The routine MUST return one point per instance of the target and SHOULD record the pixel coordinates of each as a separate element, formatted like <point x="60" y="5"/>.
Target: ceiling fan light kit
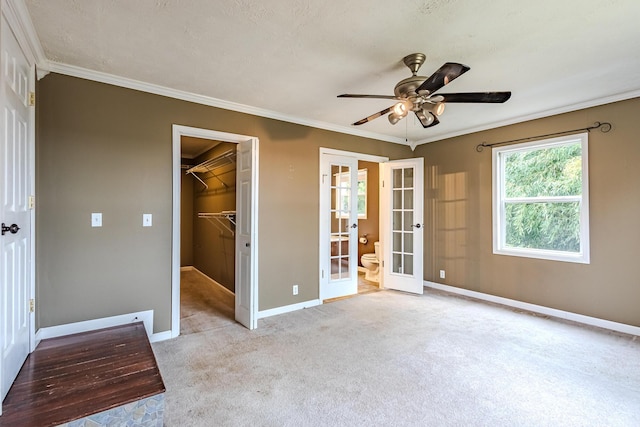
<point x="416" y="93"/>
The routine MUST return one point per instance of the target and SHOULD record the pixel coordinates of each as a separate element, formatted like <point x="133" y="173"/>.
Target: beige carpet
<point x="203" y="304"/>
<point x="393" y="359"/>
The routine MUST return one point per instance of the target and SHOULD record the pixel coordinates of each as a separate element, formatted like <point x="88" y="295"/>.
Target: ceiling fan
<point x="416" y="93"/>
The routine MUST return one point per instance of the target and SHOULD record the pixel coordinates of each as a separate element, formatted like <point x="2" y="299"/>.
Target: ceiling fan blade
<point x="350" y="95"/>
<point x="492" y="97"/>
<point x="373" y="116"/>
<point x="426" y="123"/>
<point x="445" y="75"/>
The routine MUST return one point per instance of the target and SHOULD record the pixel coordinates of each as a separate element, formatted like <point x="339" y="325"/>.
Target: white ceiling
<point x="291" y="58"/>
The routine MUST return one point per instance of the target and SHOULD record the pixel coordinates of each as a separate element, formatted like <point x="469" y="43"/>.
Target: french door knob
<point x="354" y="225"/>
<point x="417" y="226"/>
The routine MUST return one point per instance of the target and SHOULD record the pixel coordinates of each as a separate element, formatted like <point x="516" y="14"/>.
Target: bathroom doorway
<point x="368" y="208"/>
<point x="400" y="227"/>
<point x="223" y="179"/>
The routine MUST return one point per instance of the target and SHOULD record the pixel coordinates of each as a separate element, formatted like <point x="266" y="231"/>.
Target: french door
<point x="338" y="226"/>
<point x="403" y="224"/>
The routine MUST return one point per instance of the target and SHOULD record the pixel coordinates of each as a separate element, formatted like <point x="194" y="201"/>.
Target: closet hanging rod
<point x="216" y="218"/>
<point x="604" y="128"/>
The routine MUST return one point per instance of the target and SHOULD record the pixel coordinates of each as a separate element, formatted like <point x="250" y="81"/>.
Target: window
<point x="343" y="181"/>
<point x="541" y="199"/>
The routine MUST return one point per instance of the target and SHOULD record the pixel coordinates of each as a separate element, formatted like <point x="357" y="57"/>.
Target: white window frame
<point x="343" y="177"/>
<point x="499" y="197"/>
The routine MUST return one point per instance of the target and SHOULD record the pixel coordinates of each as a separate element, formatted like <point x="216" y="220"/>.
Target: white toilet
<point x="372" y="263"/>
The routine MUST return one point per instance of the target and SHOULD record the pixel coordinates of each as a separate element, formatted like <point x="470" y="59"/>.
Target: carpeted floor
<point x="203" y="305"/>
<point x="393" y="359"/>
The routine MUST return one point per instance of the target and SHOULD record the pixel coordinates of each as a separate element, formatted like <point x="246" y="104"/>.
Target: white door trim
<point x="360" y="156"/>
<point x="178" y="132"/>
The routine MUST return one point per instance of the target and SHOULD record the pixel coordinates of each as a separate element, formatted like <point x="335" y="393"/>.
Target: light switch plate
<point x="96" y="219"/>
<point x="147" y="220"/>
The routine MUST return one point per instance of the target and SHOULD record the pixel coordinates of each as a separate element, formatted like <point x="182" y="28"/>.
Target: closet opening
<point x="207" y="238"/>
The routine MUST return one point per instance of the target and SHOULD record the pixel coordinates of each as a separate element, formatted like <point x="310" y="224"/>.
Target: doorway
<point x="401" y="239"/>
<point x="240" y="224"/>
<point x="207" y="234"/>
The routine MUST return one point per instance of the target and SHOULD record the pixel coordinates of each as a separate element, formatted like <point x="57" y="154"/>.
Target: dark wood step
<point x="74" y="376"/>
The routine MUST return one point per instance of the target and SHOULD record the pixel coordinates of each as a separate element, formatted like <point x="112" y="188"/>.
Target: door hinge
<point x="32" y="202"/>
<point x="322" y="274"/>
<point x="32" y="305"/>
<point x="32" y="99"/>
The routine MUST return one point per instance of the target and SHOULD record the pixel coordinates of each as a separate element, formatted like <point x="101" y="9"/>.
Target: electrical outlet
<point x="147" y="220"/>
<point x="295" y="289"/>
<point x="442" y="274"/>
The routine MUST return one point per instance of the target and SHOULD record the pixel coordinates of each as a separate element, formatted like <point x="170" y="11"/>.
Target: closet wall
<point x="213" y="245"/>
<point x="186" y="216"/>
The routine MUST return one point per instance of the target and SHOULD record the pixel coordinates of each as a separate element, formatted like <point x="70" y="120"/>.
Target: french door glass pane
<point x="408" y="243"/>
<point x="408" y="178"/>
<point x="402" y="221"/>
<point x="408" y="221"/>
<point x="408" y="264"/>
<point x="408" y="199"/>
<point x="339" y="214"/>
<point x="397" y="242"/>
<point x="397" y="178"/>
<point x="397" y="199"/>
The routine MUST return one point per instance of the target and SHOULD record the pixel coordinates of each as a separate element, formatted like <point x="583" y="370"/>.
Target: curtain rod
<point x="604" y="128"/>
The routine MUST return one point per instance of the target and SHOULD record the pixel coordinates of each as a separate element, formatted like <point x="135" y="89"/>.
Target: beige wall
<point x="458" y="234"/>
<point x="101" y="148"/>
<point x="186" y="217"/>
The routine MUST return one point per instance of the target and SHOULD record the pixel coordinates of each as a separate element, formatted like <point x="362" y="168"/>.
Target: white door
<point x="14" y="210"/>
<point x="403" y="225"/>
<point x="338" y="226"/>
<point x="246" y="237"/>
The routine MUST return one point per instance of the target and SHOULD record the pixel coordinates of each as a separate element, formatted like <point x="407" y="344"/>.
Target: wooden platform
<point x="75" y="376"/>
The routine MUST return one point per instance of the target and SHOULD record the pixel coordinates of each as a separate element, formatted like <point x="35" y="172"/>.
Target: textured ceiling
<point x="293" y="57"/>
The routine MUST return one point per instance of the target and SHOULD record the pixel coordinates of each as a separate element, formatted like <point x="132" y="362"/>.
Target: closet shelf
<point x="218" y="219"/>
<point x="209" y="166"/>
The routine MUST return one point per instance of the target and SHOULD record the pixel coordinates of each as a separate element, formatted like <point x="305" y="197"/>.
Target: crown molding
<point x="623" y="96"/>
<point x="98" y="76"/>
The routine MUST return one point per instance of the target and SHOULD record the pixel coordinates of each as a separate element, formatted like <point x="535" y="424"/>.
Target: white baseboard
<point x="160" y="336"/>
<point x="574" y="317"/>
<point x="288" y="308"/>
<point x="215" y="283"/>
<point x="91" y="325"/>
